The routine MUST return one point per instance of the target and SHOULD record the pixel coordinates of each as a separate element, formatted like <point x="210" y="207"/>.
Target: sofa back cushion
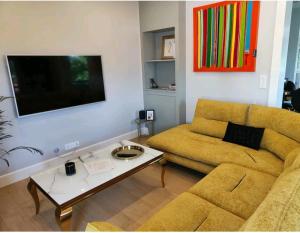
<point x="277" y="143"/>
<point x="211" y="116"/>
<point x="280" y="120"/>
<point x="282" y="133"/>
<point x="292" y="160"/>
<point x="280" y="209"/>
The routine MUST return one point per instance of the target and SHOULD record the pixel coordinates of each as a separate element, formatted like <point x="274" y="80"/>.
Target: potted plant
<point x="3" y="136"/>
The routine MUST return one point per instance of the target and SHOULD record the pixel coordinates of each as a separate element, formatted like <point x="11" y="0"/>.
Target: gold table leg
<point x="31" y="187"/>
<point x="64" y="218"/>
<point x="162" y="177"/>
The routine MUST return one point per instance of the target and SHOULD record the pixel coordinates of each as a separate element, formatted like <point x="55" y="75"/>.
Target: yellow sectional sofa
<point x="245" y="189"/>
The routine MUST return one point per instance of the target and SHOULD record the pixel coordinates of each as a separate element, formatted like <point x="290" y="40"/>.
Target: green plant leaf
<point x="28" y="148"/>
<point x="2" y="98"/>
<point x="5" y="123"/>
<point x="3" y="136"/>
<point x="5" y="160"/>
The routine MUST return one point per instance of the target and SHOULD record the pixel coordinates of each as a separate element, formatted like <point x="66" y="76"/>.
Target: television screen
<point x="46" y="83"/>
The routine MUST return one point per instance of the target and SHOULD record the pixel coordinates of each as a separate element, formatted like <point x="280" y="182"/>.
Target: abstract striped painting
<point x="225" y="36"/>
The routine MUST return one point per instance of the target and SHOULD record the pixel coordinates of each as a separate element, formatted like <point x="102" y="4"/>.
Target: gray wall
<point x="107" y="28"/>
<point x="230" y="86"/>
<point x="181" y="61"/>
<point x="293" y="43"/>
<point x="156" y="15"/>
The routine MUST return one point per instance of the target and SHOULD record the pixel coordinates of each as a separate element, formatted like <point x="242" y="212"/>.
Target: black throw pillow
<point x="244" y="135"/>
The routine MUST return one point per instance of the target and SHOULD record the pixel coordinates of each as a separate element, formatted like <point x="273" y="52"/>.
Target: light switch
<point x="263" y="81"/>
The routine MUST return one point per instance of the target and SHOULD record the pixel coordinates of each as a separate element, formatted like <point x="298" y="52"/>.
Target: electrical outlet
<point x="72" y="145"/>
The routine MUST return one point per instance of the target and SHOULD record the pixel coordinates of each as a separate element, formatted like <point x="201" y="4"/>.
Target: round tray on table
<point x="127" y="152"/>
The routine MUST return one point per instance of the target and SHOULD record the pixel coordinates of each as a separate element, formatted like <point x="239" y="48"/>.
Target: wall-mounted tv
<point x="47" y="83"/>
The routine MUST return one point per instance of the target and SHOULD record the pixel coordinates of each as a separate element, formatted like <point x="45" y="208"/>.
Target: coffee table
<point x="66" y="191"/>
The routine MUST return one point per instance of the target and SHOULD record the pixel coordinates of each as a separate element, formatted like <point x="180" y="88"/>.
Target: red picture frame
<point x="246" y="59"/>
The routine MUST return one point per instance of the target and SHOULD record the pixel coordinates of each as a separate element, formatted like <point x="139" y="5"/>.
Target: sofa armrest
<point x="101" y="226"/>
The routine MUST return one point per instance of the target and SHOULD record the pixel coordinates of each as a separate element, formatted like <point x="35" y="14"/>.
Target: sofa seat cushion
<point x="188" y="212"/>
<point x="213" y="151"/>
<point x="195" y="165"/>
<point x="280" y="211"/>
<point x="234" y="188"/>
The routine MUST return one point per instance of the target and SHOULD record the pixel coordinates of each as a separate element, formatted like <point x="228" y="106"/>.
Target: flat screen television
<point x="47" y="83"/>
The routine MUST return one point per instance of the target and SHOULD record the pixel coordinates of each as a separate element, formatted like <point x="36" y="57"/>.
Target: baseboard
<point x="24" y="173"/>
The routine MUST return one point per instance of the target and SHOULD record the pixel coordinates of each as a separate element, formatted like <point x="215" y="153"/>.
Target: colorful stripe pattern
<point x="224" y="35"/>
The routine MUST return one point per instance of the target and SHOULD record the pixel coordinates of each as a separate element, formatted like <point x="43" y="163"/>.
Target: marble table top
<point x="62" y="188"/>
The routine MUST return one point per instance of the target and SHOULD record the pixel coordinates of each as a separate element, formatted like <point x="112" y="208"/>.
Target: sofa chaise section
<point x="280" y="209"/>
<point x="234" y="188"/>
<point x="188" y="212"/>
<point x="181" y="141"/>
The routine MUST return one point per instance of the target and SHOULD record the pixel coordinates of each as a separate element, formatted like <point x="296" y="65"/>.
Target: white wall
<point x="231" y="86"/>
<point x="107" y="28"/>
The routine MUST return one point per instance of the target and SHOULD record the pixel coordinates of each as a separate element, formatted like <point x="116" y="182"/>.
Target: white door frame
<point x="279" y="54"/>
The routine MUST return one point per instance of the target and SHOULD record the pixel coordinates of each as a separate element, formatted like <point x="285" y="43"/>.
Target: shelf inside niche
<point x="160" y="30"/>
<point x="161" y="60"/>
<point x="159" y="91"/>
